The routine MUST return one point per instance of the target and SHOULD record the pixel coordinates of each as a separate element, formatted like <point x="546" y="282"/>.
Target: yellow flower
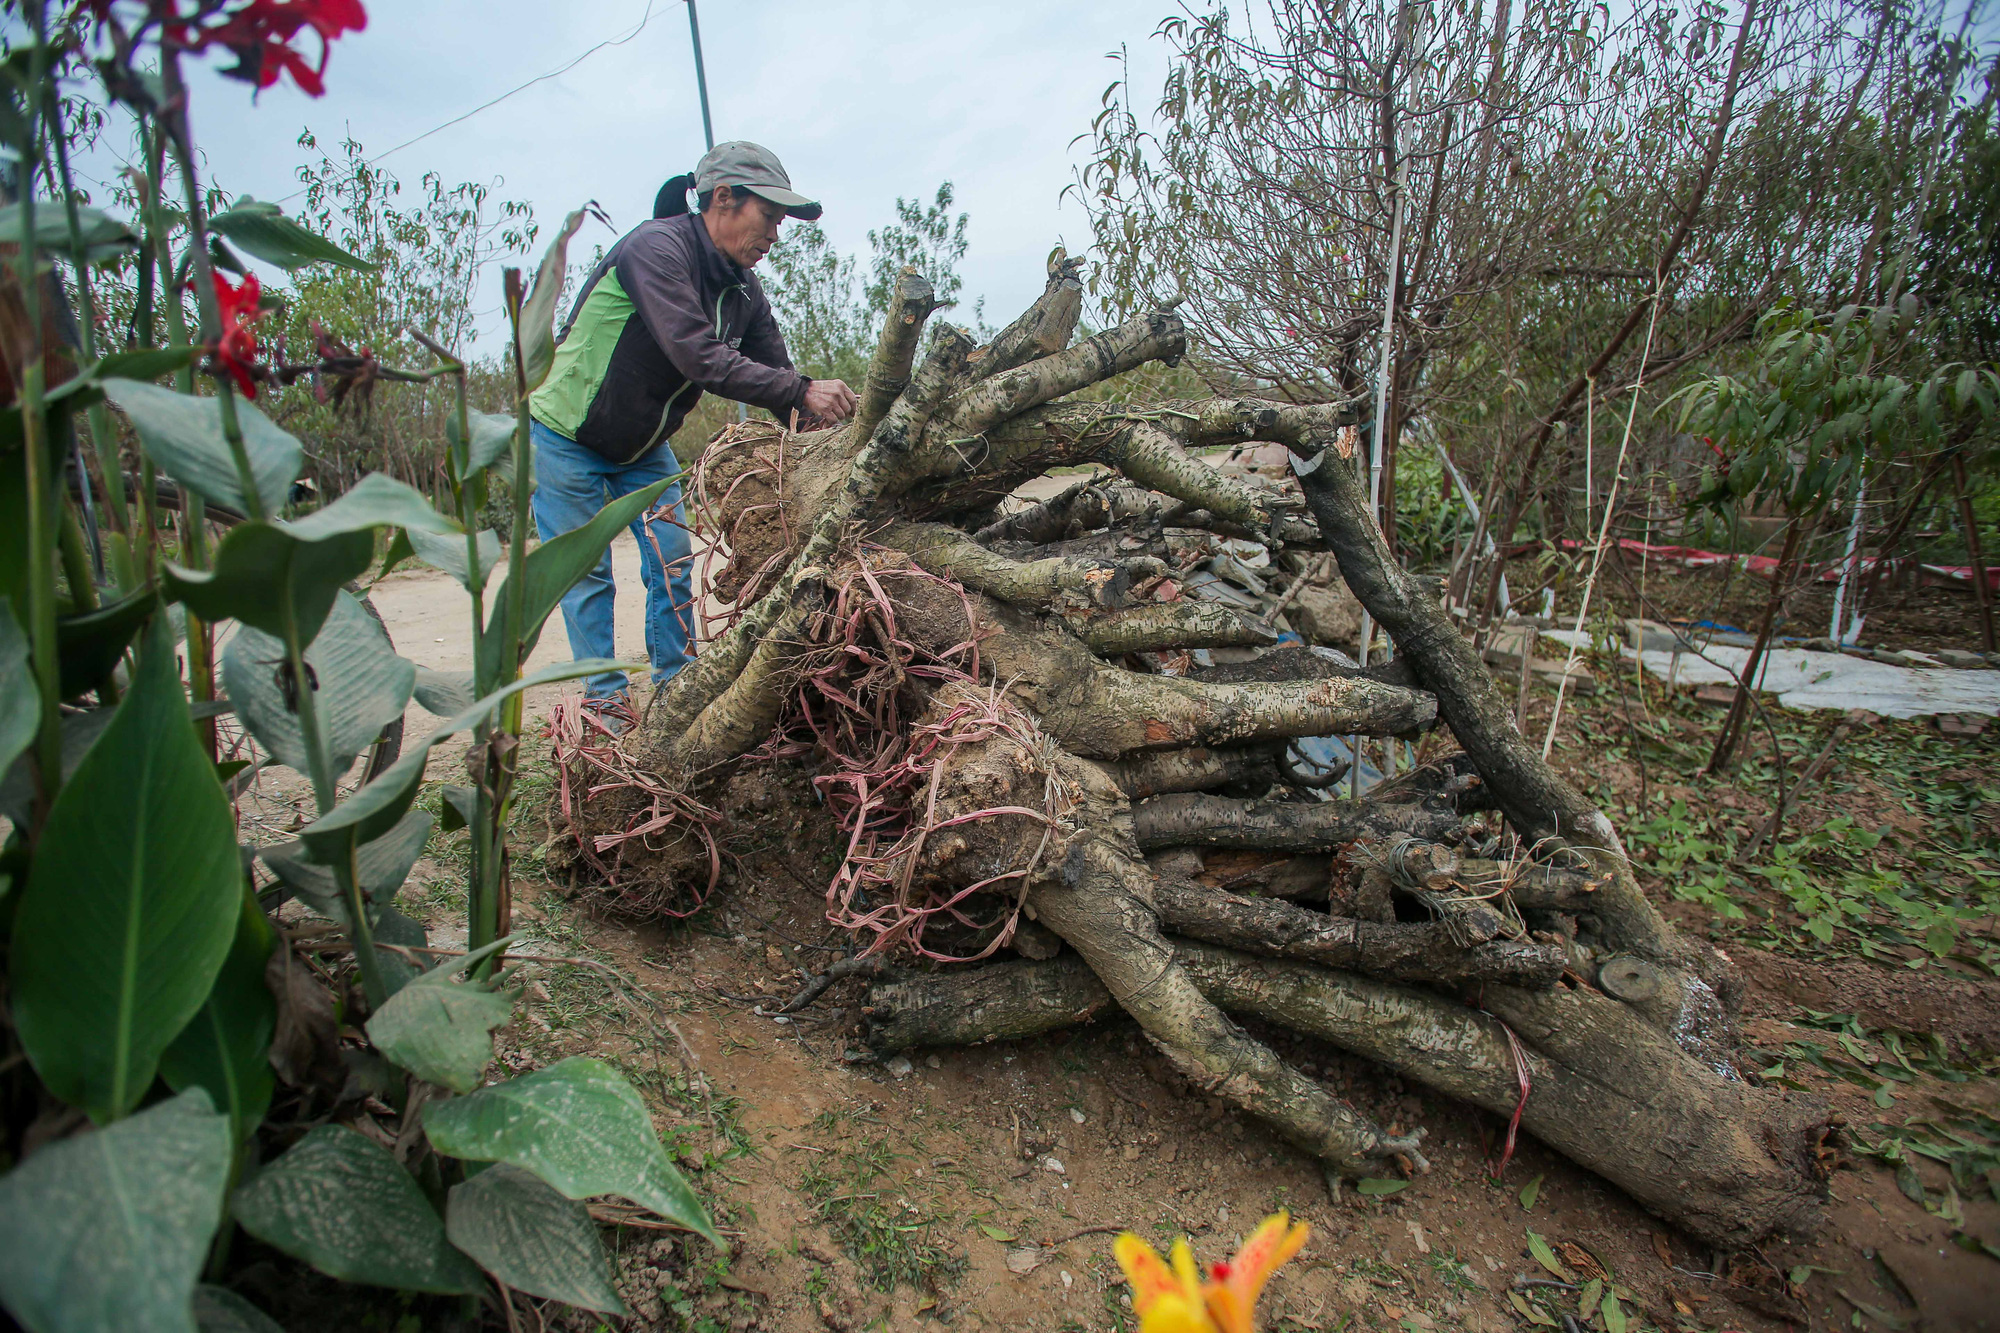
<point x="1173" y="1297"/>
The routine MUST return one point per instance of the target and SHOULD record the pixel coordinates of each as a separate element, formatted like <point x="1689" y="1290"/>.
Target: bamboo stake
<point x="1603" y="530"/>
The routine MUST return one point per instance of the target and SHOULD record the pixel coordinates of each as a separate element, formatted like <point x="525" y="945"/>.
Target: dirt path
<point x="427" y="615"/>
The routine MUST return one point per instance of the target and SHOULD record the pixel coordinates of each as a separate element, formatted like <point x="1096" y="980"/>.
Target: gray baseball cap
<point x="753" y="167"/>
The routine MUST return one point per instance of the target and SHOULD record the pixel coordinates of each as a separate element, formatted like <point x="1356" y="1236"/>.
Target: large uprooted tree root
<point x="999" y="711"/>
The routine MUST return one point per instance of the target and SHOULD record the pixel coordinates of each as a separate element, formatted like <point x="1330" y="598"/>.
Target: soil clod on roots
<point x="1002" y="718"/>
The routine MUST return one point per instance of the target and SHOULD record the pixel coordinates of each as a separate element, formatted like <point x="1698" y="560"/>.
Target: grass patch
<point x="893" y="1228"/>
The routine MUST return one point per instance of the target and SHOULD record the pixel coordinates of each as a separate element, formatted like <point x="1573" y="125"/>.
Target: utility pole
<point x="707" y="125"/>
<point x="700" y="78"/>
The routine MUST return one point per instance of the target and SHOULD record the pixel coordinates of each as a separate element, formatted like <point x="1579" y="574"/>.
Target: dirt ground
<point x="861" y="1195"/>
<point x="980" y="1188"/>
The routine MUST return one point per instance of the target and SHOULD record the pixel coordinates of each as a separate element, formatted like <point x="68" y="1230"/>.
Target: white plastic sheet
<point x="1807" y="680"/>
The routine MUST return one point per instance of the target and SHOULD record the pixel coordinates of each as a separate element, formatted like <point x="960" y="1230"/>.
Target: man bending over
<point x="672" y="312"/>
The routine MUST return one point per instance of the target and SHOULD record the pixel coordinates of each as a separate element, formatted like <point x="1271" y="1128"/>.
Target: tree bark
<point x="1535" y="799"/>
<point x="1728" y="1163"/>
<point x="1194" y="769"/>
<point x="1004" y="664"/>
<point x="1426" y="952"/>
<point x="1101" y="711"/>
<point x="1284" y="826"/>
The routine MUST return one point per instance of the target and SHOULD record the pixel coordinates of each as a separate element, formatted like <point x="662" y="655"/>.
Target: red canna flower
<point x="237" y="350"/>
<point x="260" y="34"/>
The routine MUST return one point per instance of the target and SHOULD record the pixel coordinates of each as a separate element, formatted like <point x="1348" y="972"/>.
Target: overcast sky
<point x="863" y="100"/>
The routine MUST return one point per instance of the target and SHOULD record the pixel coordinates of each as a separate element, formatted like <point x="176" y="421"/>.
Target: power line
<point x="644" y="19"/>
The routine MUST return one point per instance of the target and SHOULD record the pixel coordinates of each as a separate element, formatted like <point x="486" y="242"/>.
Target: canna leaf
<point x="106" y="1230"/>
<point x="90" y="646"/>
<point x="183" y="436"/>
<point x="528" y="1236"/>
<point x="376" y="808"/>
<point x="220" y="1310"/>
<point x="440" y="1028"/>
<point x="448" y="554"/>
<point x="341" y="1203"/>
<point x="131" y="903"/>
<point x="492" y="437"/>
<point x="268" y="573"/>
<point x="265" y="577"/>
<point x="105" y="238"/>
<point x="20" y="700"/>
<point x="359" y="686"/>
<point x="381" y="866"/>
<point x="553" y="568"/>
<point x="538" y="312"/>
<point x="263" y="232"/>
<point x="226" y="1049"/>
<point x="444" y="692"/>
<point x="579" y="1126"/>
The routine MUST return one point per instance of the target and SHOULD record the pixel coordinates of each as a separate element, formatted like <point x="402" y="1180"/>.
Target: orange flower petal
<point x="1146" y="1271"/>
<point x="1226" y="1306"/>
<point x="1268" y="1249"/>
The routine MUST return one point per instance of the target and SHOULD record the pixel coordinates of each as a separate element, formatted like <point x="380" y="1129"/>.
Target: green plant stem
<point x="483" y="906"/>
<point x="194" y="509"/>
<point x="103" y="439"/>
<point x="180" y="141"/>
<point x="320" y="766"/>
<point x="42" y="541"/>
<point x="42" y="535"/>
<point x="502" y="769"/>
<point x="468" y="517"/>
<point x="76" y="561"/>
<point x="348" y="875"/>
<point x="200" y="635"/>
<point x="517" y="546"/>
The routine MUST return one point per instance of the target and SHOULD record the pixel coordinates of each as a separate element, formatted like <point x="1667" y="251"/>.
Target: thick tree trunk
<point x="1535" y="798"/>
<point x="1088" y="883"/>
<point x="1194" y="769"/>
<point x="1729" y="1163"/>
<point x="1430" y="952"/>
<point x="1284" y="826"/>
<point x="1104" y="712"/>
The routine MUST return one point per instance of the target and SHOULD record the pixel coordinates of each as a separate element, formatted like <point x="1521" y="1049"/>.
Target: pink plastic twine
<point x="1521" y="1075"/>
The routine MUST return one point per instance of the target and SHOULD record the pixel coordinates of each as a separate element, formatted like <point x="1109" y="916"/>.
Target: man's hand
<point x="830" y="400"/>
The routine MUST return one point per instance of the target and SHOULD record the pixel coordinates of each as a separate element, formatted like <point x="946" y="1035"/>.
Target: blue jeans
<point x="571" y="485"/>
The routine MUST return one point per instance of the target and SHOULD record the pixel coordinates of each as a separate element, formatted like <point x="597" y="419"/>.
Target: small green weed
<point x="1451" y="1272"/>
<point x="1836" y="885"/>
<point x="893" y="1228"/>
